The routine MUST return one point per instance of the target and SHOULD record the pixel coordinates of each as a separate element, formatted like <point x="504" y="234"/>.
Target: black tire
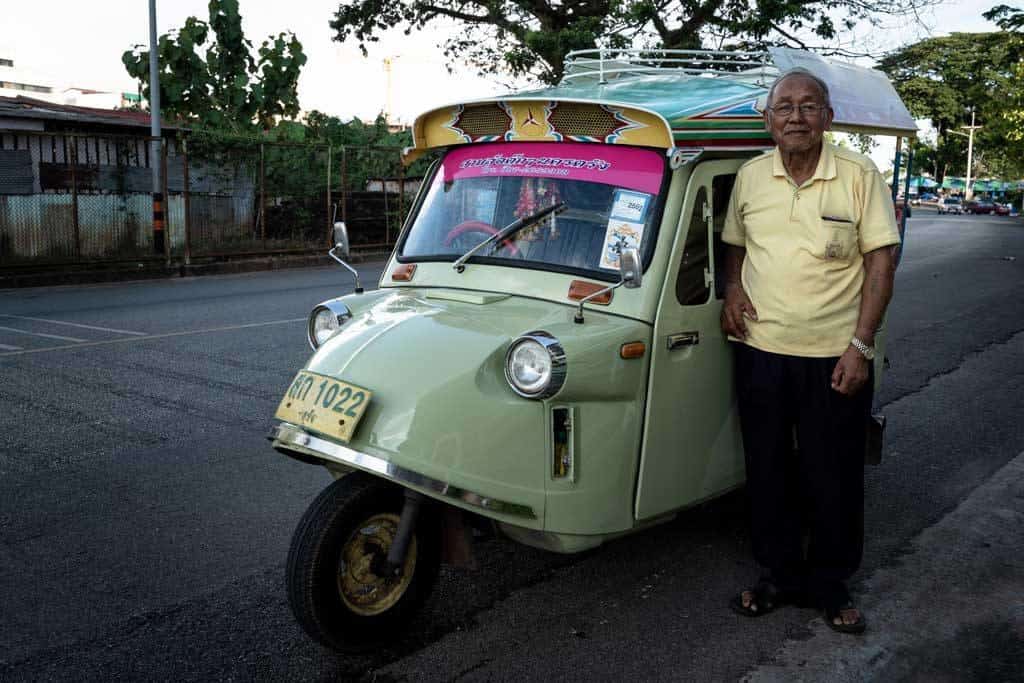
<point x="317" y="575"/>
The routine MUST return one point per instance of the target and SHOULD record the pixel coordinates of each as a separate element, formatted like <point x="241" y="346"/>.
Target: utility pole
<point x="968" y="193"/>
<point x="156" y="142"/>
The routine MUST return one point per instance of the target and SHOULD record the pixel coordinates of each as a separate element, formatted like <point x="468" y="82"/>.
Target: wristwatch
<point x="865" y="350"/>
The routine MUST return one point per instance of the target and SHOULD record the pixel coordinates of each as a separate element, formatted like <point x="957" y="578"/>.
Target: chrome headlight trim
<point x="338" y="310"/>
<point x="559" y="367"/>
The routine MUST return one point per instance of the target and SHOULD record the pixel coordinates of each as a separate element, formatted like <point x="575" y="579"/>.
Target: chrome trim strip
<point x="288" y="437"/>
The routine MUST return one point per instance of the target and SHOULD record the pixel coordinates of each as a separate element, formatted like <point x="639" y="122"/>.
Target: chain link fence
<point x="81" y="198"/>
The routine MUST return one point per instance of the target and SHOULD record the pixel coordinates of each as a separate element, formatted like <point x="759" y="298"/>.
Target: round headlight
<point x="325" y="320"/>
<point x="535" y="365"/>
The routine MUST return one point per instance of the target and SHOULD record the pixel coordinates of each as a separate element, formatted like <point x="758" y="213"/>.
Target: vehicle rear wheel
<point x="337" y="587"/>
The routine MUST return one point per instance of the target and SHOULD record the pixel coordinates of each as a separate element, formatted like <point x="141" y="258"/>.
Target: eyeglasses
<point x="808" y="110"/>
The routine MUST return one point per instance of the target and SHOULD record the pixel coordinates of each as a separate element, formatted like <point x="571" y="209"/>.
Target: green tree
<point x="372" y="149"/>
<point x="210" y="76"/>
<point x="527" y="37"/>
<point x="945" y="79"/>
<point x="1006" y="17"/>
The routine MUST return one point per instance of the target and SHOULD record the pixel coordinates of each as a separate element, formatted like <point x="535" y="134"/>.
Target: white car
<point x="951" y="205"/>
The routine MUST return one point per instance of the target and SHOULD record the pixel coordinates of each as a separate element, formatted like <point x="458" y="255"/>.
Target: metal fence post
<point x="329" y="218"/>
<point x="401" y="192"/>
<point x="263" y="201"/>
<point x="186" y="201"/>
<point x="344" y="185"/>
<point x="387" y="218"/>
<point x="74" y="196"/>
<point x="167" y="201"/>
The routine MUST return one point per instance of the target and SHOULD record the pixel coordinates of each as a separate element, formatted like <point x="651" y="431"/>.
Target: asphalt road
<point x="144" y="519"/>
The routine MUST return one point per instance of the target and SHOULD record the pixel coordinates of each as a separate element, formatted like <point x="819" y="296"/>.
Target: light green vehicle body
<point x="649" y="436"/>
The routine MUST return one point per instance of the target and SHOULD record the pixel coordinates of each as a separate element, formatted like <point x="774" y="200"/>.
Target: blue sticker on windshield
<point x="629" y="206"/>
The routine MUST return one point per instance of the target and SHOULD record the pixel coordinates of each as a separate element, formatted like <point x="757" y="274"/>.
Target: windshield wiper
<point x="515" y="226"/>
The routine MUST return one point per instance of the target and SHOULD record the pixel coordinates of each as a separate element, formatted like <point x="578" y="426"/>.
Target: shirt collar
<point x="826" y="169"/>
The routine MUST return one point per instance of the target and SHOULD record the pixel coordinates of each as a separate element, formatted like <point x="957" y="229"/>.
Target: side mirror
<point x="341" y="239"/>
<point x="340" y="252"/>
<point x="630" y="268"/>
<point x="630" y="277"/>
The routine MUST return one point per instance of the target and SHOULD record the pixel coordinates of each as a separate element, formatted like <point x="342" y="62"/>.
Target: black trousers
<point x="807" y="503"/>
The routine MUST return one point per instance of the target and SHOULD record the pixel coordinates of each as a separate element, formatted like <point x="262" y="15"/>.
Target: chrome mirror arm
<point x="359" y="286"/>
<point x="630" y="275"/>
<point x="578" y="318"/>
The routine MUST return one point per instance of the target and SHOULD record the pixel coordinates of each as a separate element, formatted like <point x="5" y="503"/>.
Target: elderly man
<point x="809" y="271"/>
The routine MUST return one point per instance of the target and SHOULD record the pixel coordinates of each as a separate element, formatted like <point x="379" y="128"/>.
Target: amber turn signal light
<point x="633" y="350"/>
<point x="403" y="273"/>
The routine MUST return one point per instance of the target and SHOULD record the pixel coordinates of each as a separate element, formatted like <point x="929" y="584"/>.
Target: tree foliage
<point x="1006" y="17"/>
<point x="531" y="37"/>
<point x="210" y="76"/>
<point x="945" y="79"/>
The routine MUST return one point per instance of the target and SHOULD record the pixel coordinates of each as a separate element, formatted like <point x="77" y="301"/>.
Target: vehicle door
<point x="692" y="447"/>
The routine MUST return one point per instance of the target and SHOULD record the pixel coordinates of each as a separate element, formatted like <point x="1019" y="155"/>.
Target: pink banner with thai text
<point x="628" y="167"/>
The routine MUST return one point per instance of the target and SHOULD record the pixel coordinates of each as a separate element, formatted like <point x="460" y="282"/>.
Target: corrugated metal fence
<point x="81" y="198"/>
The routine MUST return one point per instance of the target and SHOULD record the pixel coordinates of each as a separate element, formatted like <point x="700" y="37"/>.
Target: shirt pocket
<point x="837" y="239"/>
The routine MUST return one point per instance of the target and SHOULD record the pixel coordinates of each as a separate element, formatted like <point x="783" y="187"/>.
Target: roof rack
<point x="604" y="64"/>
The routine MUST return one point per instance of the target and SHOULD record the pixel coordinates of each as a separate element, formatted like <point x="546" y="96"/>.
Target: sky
<point x="79" y="44"/>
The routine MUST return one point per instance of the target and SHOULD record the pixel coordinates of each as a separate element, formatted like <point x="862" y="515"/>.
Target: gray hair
<point x="800" y="71"/>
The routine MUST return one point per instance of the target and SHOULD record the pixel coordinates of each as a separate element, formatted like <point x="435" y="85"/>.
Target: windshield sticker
<point x="629" y="206"/>
<point x="632" y="168"/>
<point x="620" y="235"/>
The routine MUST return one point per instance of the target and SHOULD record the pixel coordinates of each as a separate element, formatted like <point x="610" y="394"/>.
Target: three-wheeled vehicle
<point x="543" y="353"/>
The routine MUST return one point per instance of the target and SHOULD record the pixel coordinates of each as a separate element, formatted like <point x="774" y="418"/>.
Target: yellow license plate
<point x="324" y="404"/>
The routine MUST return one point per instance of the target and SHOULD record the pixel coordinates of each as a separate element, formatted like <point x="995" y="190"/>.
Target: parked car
<point x="923" y="197"/>
<point x="951" y="205"/>
<point x="979" y="206"/>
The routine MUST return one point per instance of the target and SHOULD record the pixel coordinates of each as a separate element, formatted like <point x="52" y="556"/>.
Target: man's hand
<point x="851" y="372"/>
<point x="737" y="304"/>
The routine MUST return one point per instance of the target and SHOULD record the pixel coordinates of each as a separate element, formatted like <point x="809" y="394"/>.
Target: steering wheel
<point x="478" y="227"/>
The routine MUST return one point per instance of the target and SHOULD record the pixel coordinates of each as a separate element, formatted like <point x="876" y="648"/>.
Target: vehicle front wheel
<point x="338" y="586"/>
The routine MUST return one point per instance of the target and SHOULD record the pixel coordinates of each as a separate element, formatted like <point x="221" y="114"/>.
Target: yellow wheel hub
<point x="366" y="549"/>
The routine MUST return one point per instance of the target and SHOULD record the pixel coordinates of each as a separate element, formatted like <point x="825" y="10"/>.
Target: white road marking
<point x="165" y="335"/>
<point x="41" y="334"/>
<point x="63" y="322"/>
<point x="8" y="347"/>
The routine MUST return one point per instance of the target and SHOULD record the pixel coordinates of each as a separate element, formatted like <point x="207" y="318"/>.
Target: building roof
<point x="30" y="108"/>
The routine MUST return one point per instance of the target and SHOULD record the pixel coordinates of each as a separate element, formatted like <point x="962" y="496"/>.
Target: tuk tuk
<point x="543" y="355"/>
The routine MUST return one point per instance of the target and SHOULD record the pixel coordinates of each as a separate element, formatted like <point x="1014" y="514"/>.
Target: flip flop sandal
<point x="833" y="613"/>
<point x="765" y="597"/>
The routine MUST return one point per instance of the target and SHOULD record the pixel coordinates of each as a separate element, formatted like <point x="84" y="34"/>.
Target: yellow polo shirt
<point x="804" y="267"/>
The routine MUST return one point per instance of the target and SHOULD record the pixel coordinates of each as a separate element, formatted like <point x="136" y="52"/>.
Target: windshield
<point x="609" y="196"/>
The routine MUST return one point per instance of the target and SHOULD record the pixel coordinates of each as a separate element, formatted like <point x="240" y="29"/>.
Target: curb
<point x="961" y="582"/>
<point x="128" y="272"/>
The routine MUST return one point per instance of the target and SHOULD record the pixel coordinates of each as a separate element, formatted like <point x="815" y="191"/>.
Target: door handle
<point x="681" y="339"/>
